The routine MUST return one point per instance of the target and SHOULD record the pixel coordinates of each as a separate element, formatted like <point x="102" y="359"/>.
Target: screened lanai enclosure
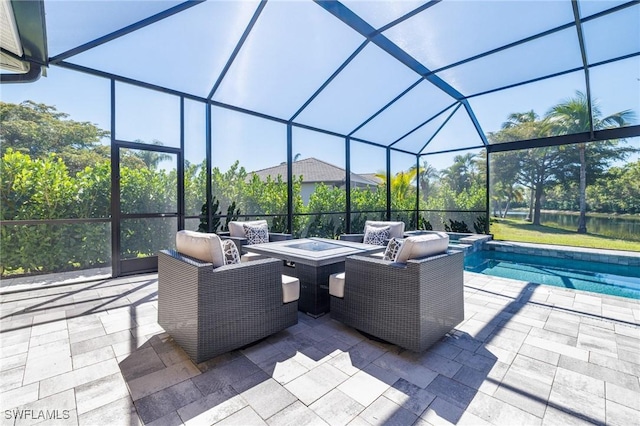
<point x="125" y="121"/>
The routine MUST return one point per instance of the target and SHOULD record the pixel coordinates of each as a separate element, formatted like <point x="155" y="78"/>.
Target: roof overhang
<point x="23" y="42"/>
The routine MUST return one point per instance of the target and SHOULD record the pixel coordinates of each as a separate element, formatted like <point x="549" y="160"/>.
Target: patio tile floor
<point x="92" y="353"/>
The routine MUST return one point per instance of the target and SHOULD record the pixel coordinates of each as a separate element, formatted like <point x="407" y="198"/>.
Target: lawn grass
<point x="519" y="230"/>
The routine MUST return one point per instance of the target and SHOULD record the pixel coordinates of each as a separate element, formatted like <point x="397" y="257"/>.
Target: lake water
<point x="622" y="228"/>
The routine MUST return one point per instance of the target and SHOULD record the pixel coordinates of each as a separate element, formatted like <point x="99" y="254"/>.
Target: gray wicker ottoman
<point x="412" y="305"/>
<point x="211" y="311"/>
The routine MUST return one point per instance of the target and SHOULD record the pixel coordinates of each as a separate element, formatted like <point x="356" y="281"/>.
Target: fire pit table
<point x="312" y="260"/>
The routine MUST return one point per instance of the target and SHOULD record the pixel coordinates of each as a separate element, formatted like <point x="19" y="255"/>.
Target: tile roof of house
<point x="373" y="177"/>
<point x="314" y="170"/>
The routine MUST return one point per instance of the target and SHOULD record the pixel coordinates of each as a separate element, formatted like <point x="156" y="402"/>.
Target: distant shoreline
<point x="635" y="216"/>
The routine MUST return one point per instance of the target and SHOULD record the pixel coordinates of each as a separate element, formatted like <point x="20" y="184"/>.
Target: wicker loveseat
<point x="209" y="311"/>
<point x="411" y="305"/>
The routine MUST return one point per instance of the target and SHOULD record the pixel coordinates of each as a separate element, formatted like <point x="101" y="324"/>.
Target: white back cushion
<point x="396" y="229"/>
<point x="236" y="228"/>
<point x="206" y="247"/>
<point x="423" y="246"/>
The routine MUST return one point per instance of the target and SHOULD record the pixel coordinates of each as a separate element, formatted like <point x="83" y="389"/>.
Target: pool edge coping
<point x="617" y="257"/>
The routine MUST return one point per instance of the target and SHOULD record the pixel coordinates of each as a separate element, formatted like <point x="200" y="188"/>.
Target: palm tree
<point x="151" y="158"/>
<point x="427" y="176"/>
<point x="461" y="173"/>
<point x="515" y="119"/>
<point x="572" y="116"/>
<point x="401" y="188"/>
<point x="532" y="168"/>
<point x="512" y="193"/>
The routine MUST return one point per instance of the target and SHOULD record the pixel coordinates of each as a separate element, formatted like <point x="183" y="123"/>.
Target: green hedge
<point x="44" y="188"/>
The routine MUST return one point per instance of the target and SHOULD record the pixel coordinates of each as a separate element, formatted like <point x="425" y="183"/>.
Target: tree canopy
<point x="570" y="166"/>
<point x="39" y="130"/>
<point x="53" y="167"/>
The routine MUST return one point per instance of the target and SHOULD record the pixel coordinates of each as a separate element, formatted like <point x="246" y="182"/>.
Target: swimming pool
<point x="604" y="278"/>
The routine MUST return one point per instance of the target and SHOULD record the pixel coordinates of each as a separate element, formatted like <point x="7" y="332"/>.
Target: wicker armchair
<point x="411" y="305"/>
<point x="211" y="311"/>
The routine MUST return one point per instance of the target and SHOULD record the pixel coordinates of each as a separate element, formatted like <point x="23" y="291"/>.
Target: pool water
<point x="604" y="278"/>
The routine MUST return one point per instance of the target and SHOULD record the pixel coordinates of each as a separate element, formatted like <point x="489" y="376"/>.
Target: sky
<point x="296" y="46"/>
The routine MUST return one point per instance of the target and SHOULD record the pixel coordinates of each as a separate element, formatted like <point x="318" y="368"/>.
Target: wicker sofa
<point x="209" y="311"/>
<point x="411" y="305"/>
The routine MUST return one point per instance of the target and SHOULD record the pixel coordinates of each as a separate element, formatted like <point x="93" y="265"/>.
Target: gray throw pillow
<point x="376" y="235"/>
<point x="392" y="250"/>
<point x="257" y="234"/>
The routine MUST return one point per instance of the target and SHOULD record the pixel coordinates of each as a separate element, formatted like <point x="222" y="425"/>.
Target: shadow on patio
<point x="96" y="350"/>
<point x="320" y="370"/>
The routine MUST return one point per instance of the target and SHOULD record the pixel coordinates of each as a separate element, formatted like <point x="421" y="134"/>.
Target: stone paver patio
<point x="92" y="353"/>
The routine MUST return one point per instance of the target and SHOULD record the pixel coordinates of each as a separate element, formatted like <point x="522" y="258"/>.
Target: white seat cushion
<point x="336" y="285"/>
<point x="290" y="289"/>
<point x="423" y="246"/>
<point x="396" y="229"/>
<point x="202" y="246"/>
<point x="236" y="228"/>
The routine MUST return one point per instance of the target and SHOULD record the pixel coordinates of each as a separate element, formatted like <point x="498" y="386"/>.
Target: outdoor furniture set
<point x="406" y="291"/>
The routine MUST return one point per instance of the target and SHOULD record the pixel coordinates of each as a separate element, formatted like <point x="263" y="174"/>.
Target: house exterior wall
<point x="306" y="189"/>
